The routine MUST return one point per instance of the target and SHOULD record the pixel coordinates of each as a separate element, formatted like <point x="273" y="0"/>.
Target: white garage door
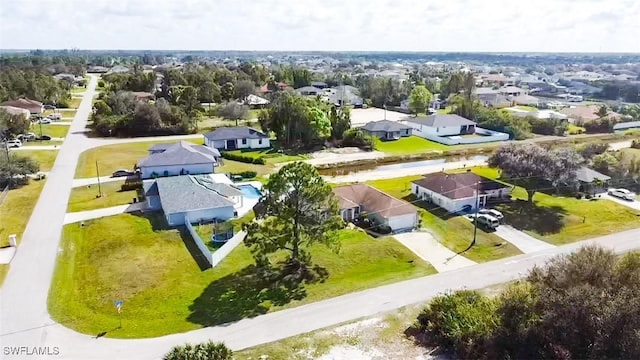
<point x="402" y="222"/>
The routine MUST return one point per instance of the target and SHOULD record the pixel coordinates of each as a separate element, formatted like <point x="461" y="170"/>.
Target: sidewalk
<point x="74" y="217"/>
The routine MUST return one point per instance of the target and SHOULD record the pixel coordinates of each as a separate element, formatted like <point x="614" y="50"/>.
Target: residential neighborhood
<point x="160" y="204"/>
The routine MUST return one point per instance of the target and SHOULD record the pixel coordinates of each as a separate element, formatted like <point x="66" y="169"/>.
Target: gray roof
<point x="441" y="120"/>
<point x="232" y="133"/>
<point x="587" y="175"/>
<point x="222" y="189"/>
<point x="485" y="90"/>
<point x="150" y="187"/>
<point x="183" y="193"/>
<point x="626" y="125"/>
<point x="180" y="153"/>
<point x="309" y="89"/>
<point x="385" y="125"/>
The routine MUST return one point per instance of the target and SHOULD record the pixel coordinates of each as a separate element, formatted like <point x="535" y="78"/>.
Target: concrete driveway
<point x="429" y="249"/>
<point x="527" y="244"/>
<point x="630" y="204"/>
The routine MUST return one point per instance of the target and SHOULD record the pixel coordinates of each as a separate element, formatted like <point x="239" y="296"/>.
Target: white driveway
<point x="73" y="217"/>
<point x="37" y="147"/>
<point x="94" y="180"/>
<point x="630" y="204"/>
<point x="526" y="244"/>
<point x="428" y="249"/>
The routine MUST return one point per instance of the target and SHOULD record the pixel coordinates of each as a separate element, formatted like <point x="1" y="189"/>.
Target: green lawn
<point x="3" y="272"/>
<point x="574" y="129"/>
<point x="112" y="157"/>
<point x="209" y="124"/>
<point x="16" y="209"/>
<point x="137" y="260"/>
<point x="526" y="108"/>
<point x="78" y="90"/>
<point x="560" y="220"/>
<point x="58" y="131"/>
<point x="409" y="145"/>
<point x="84" y="198"/>
<point x="42" y="143"/>
<point x="45" y="158"/>
<point x="446" y="110"/>
<point x="230" y="166"/>
<point x="455" y="232"/>
<point x="271" y="155"/>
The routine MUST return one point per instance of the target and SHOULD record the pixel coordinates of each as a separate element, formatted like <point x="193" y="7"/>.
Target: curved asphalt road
<point x="24" y="320"/>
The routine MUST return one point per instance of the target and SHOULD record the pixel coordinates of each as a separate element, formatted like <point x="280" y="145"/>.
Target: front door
<point x="231" y="144"/>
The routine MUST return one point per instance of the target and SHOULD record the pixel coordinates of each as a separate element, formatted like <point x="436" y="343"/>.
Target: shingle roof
<point x="182" y="193"/>
<point x="180" y="153"/>
<point x="457" y="186"/>
<point x="441" y="120"/>
<point x="309" y="89"/>
<point x="22" y="103"/>
<point x="232" y="133"/>
<point x="587" y="175"/>
<point x="485" y="90"/>
<point x="221" y="188"/>
<point x="150" y="187"/>
<point x="15" y="110"/>
<point x="385" y="125"/>
<point x="372" y="200"/>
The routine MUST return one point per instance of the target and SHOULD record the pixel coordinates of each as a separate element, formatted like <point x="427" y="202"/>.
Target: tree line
<point x="36" y="84"/>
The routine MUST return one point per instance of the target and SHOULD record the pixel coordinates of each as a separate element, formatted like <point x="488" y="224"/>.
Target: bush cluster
<point x="245" y="174"/>
<point x="243" y="158"/>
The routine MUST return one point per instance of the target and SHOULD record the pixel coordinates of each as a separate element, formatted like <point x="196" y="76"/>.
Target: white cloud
<point x="411" y="25"/>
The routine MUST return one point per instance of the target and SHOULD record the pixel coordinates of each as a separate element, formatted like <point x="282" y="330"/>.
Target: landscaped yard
<point x="138" y="260"/>
<point x="58" y="131"/>
<point x="526" y="108"/>
<point x="16" y="210"/>
<point x="45" y="158"/>
<point x="209" y="124"/>
<point x="456" y="233"/>
<point x="113" y="157"/>
<point x="42" y="143"/>
<point x="409" y="145"/>
<point x="560" y="219"/>
<point x="271" y="155"/>
<point x="230" y="166"/>
<point x="575" y="130"/>
<point x="84" y="198"/>
<point x="78" y="90"/>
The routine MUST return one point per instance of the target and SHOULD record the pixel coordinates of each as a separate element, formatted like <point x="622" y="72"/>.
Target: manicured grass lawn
<point x="51" y="130"/>
<point x="230" y="166"/>
<point x="409" y="145"/>
<point x="112" y="157"/>
<point x="139" y="261"/>
<point x="78" y="90"/>
<point x="74" y="103"/>
<point x="208" y="124"/>
<point x="42" y="143"/>
<point x="526" y="108"/>
<point x="559" y="219"/>
<point x="446" y="110"/>
<point x="16" y="210"/>
<point x="270" y="155"/>
<point x="456" y="233"/>
<point x="84" y="198"/>
<point x="45" y="158"/>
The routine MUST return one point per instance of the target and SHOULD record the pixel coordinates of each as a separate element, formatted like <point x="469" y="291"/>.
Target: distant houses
<point x="452" y="129"/>
<point x="33" y="106"/>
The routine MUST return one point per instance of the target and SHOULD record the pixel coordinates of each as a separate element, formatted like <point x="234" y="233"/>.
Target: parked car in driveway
<point x="44" y="137"/>
<point x="493" y="212"/>
<point x="622" y="194"/>
<point x="121" y="172"/>
<point x="49" y="107"/>
<point x="27" y="137"/>
<point x="43" y="121"/>
<point x="15" y="143"/>
<point x="487" y="221"/>
<point x="54" y="117"/>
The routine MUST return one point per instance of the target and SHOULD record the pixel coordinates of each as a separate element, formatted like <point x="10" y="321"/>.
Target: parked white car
<point x="54" y="117"/>
<point x="15" y="143"/>
<point x="487" y="221"/>
<point x="492" y="212"/>
<point x="44" y="121"/>
<point x="622" y="194"/>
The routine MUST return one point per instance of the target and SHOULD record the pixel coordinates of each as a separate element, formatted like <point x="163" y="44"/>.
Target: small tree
<point x="419" y="99"/>
<point x="204" y="351"/>
<point x="299" y="211"/>
<point x="232" y="110"/>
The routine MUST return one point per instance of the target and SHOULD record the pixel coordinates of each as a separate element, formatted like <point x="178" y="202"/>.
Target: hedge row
<point x="245" y="174"/>
<point x="244" y="158"/>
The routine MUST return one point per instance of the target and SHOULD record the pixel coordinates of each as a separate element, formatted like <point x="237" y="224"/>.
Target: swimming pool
<point x="250" y="191"/>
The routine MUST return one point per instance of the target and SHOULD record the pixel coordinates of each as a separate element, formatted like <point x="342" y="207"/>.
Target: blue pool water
<point x="250" y="192"/>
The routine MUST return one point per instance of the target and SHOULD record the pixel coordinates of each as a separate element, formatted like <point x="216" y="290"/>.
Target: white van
<point x="487" y="221"/>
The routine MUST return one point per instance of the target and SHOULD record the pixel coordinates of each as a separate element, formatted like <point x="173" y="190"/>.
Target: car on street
<point x="43" y="121"/>
<point x="54" y="117"/>
<point x="121" y="172"/>
<point x="15" y="143"/>
<point x="622" y="194"/>
<point x="493" y="212"/>
<point x="49" y="107"/>
<point x="44" y="137"/>
<point x="27" y="137"/>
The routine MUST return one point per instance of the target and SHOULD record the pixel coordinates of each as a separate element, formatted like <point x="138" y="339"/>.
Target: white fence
<point x="487" y="136"/>
<point x="214" y="258"/>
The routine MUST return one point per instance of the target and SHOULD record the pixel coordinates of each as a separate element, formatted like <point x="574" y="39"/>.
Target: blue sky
<point x="383" y="25"/>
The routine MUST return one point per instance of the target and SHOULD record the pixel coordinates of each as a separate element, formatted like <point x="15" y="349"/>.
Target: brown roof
<point x="457" y="186"/>
<point x="371" y="200"/>
<point x="585" y="112"/>
<point x="142" y="95"/>
<point x="15" y="110"/>
<point x="23" y="104"/>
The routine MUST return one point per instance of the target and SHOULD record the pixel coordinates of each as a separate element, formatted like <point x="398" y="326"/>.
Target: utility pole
<point x="475" y="218"/>
<point x="98" y="174"/>
<point x="6" y="148"/>
<point x="40" y="122"/>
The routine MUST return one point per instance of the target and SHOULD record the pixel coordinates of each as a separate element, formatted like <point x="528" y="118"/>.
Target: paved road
<point x="630" y="204"/>
<point x="526" y="243"/>
<point x="286" y="323"/>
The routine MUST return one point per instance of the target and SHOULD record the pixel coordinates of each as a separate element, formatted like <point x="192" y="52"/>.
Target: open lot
<point x="85" y="197"/>
<point x="559" y="219"/>
<point x="45" y="158"/>
<point x="409" y="145"/>
<point x="137" y="259"/>
<point x="56" y="131"/>
<point x="272" y="156"/>
<point x="456" y="233"/>
<point x="209" y="124"/>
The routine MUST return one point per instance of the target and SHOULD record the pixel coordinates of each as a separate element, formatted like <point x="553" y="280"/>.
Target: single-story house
<point x="16" y="111"/>
<point x="97" y="69"/>
<point x="239" y="137"/>
<point x="34" y="107"/>
<point x="181" y="158"/>
<point x="309" y="91"/>
<point x="255" y="101"/>
<point x="382" y="208"/>
<point x="457" y="192"/>
<point x="441" y="125"/>
<point x="344" y="94"/>
<point x="586" y="113"/>
<point x="494" y="100"/>
<point x="387" y="129"/>
<point x="142" y="96"/>
<point x="626" y="125"/>
<point x="513" y="91"/>
<point x="194" y="198"/>
<point x="526" y="100"/>
<point x="591" y="181"/>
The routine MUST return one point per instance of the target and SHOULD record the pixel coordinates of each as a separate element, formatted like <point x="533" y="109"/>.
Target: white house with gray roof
<point x="238" y="137"/>
<point x="441" y="125"/>
<point x="180" y="158"/>
<point x="387" y="129"/>
<point x="194" y="198"/>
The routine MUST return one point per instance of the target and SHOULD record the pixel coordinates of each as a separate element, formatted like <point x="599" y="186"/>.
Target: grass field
<point x="42" y="143"/>
<point x="51" y="130"/>
<point x="575" y="130"/>
<point x="270" y="155"/>
<point x="526" y="108"/>
<point x="84" y="198"/>
<point x="208" y="124"/>
<point x="112" y="157"/>
<point x="45" y="158"/>
<point x="561" y="220"/>
<point x="230" y="166"/>
<point x="78" y="90"/>
<point x="455" y="232"/>
<point x="139" y="261"/>
<point x="409" y="145"/>
<point x="16" y="210"/>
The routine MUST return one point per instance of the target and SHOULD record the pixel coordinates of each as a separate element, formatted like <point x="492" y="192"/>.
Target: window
<point x="259" y="141"/>
<point x="244" y="141"/>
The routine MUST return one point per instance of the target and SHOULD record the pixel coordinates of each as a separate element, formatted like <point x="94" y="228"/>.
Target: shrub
<point x="131" y="185"/>
<point x="101" y="83"/>
<point x="635" y="144"/>
<point x="208" y="351"/>
<point x="246" y="174"/>
<point x="232" y="110"/>
<point x="358" y="138"/>
<point x="244" y="158"/>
